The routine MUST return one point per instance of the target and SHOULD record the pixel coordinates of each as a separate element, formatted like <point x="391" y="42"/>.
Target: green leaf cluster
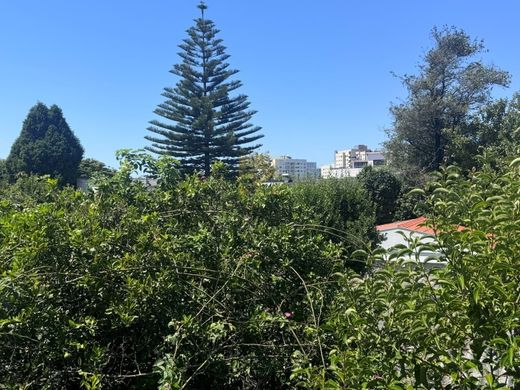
<point x="385" y="189"/>
<point x="341" y="211"/>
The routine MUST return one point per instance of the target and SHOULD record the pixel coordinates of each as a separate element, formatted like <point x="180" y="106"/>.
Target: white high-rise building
<point x="350" y="162"/>
<point x="295" y="168"/>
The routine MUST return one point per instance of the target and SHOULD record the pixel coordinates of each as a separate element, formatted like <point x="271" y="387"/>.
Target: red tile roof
<point x="416" y="225"/>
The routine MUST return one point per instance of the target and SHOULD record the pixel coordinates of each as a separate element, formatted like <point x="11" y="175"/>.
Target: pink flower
<point x="287" y="314"/>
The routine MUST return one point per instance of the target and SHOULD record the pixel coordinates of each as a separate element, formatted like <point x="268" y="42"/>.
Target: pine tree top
<point x="202" y="6"/>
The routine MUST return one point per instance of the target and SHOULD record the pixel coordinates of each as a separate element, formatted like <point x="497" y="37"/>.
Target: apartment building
<point x="295" y="168"/>
<point x="350" y="162"/>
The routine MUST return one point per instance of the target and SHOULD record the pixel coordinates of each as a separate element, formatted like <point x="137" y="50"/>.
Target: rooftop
<point x="415" y="225"/>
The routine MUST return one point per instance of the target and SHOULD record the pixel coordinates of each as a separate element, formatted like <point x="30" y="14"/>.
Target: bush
<point x="3" y="172"/>
<point x="90" y="168"/>
<point x="339" y="208"/>
<point x="207" y="283"/>
<point x="204" y="283"/>
<point x="406" y="327"/>
<point x="29" y="190"/>
<point x="410" y="205"/>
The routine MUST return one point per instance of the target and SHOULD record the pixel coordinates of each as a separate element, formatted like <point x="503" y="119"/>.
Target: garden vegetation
<point x="209" y="283"/>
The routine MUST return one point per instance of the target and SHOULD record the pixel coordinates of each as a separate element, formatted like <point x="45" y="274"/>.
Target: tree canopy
<point x="452" y="83"/>
<point x="202" y="123"/>
<point x="46" y="146"/>
<point x="258" y="167"/>
<point x="90" y="167"/>
<point x="3" y="171"/>
<point x="384" y="189"/>
<point x="489" y="135"/>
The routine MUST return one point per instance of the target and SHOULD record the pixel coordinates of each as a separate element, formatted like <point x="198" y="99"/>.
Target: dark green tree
<point x="202" y="122"/>
<point x="384" y="189"/>
<point x="341" y="211"/>
<point x="450" y="86"/>
<point x="46" y="146"/>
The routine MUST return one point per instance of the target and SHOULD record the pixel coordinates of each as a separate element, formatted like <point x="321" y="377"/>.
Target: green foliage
<point x="210" y="283"/>
<point x="258" y="167"/>
<point x="410" y="205"/>
<point x="384" y="189"/>
<point x="204" y="123"/>
<point x="340" y="210"/>
<point x="199" y="283"/>
<point x="29" y="191"/>
<point x="46" y="146"/>
<point x="451" y="85"/>
<point x="90" y="168"/>
<point x="406" y="326"/>
<point x="490" y="134"/>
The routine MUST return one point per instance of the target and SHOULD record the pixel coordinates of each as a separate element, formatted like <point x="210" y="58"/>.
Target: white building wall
<point x="295" y="168"/>
<point x="349" y="162"/>
<point x="329" y="172"/>
<point x="393" y="237"/>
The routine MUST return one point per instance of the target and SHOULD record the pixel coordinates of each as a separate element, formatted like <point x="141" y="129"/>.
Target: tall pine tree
<point x="203" y="123"/>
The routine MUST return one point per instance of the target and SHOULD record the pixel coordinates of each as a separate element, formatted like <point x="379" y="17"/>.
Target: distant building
<point x="330" y="172"/>
<point x="295" y="168"/>
<point x="358" y="157"/>
<point x="349" y="162"/>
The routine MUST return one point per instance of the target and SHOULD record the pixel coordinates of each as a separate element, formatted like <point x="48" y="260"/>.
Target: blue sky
<point x="318" y="72"/>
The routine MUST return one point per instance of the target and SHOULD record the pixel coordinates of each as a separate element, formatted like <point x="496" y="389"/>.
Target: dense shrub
<point x="207" y="283"/>
<point x="406" y="327"/>
<point x="3" y="172"/>
<point x="90" y="168"/>
<point x="410" y="205"/>
<point x="200" y="283"/>
<point x="340" y="209"/>
<point x="29" y="190"/>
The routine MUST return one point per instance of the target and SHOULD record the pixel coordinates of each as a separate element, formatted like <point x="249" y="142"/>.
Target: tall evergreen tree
<point x="46" y="146"/>
<point x="451" y="85"/>
<point x="203" y="123"/>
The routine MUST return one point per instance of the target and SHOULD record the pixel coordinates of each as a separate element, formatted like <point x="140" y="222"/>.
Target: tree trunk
<point x="438" y="156"/>
<point x="207" y="165"/>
